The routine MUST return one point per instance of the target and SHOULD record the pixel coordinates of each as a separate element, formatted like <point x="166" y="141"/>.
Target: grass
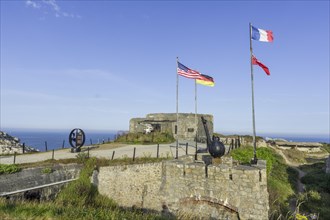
<point x="326" y="147"/>
<point x="151" y="138"/>
<point x="79" y="200"/>
<point x="295" y="155"/>
<point x="317" y="196"/>
<point x="9" y="168"/>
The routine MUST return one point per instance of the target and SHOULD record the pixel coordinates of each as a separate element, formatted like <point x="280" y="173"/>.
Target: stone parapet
<point x="184" y="187"/>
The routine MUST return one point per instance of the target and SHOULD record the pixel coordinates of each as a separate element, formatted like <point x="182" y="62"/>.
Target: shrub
<point x="81" y="157"/>
<point x="9" y="168"/>
<point x="47" y="170"/>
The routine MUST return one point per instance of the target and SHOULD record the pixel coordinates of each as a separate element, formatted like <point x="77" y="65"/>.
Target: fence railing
<point x="234" y="143"/>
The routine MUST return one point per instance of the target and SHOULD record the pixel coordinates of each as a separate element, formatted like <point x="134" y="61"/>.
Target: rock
<point x="11" y="145"/>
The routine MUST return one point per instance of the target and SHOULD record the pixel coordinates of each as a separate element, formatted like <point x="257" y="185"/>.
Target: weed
<point x="47" y="170"/>
<point x="147" y="154"/>
<point x="81" y="157"/>
<point x="9" y="168"/>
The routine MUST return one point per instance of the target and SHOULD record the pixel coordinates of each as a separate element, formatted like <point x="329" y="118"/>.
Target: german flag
<point x="205" y="80"/>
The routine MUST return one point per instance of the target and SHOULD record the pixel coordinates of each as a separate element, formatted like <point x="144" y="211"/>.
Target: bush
<point x="9" y="168"/>
<point x="46" y="170"/>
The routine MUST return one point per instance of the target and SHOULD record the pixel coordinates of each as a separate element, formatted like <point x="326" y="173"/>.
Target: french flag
<point x="262" y="35"/>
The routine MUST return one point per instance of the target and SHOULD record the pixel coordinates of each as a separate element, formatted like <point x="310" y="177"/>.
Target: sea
<point x="59" y="139"/>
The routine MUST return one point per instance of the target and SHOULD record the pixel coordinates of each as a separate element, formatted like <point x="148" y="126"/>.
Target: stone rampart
<point x="327" y="165"/>
<point x="34" y="177"/>
<point x="189" y="188"/>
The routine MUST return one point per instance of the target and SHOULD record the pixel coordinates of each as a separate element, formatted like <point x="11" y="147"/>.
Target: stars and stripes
<point x="182" y="70"/>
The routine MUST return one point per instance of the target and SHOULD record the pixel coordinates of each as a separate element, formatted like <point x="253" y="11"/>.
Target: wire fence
<point x="185" y="149"/>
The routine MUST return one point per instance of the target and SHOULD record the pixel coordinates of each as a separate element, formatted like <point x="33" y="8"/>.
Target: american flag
<point x="186" y="72"/>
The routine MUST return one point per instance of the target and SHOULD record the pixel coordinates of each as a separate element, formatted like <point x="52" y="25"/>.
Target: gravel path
<point x="165" y="150"/>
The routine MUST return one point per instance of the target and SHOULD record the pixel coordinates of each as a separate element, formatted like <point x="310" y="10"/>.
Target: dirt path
<point x="300" y="187"/>
<point x="301" y="174"/>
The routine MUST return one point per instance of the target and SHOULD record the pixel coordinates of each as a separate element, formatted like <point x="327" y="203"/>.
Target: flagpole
<point x="177" y="104"/>
<point x="253" y="114"/>
<point x="196" y="122"/>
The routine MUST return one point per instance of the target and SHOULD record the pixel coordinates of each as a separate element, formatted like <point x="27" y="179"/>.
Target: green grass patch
<point x="79" y="200"/>
<point x="326" y="147"/>
<point x="151" y="138"/>
<point x="316" y="199"/>
<point x="295" y="155"/>
<point x="47" y="170"/>
<point x="9" y="168"/>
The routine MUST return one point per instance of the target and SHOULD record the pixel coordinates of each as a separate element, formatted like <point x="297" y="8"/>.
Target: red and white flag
<point x="255" y="61"/>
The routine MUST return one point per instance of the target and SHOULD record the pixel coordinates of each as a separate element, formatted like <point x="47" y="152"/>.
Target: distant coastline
<point x="55" y="138"/>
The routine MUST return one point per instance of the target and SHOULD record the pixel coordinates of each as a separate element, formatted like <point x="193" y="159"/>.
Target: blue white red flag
<point x="262" y="35"/>
<point x="187" y="72"/>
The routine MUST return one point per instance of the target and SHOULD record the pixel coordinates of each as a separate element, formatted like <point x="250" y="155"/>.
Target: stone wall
<point x="132" y="185"/>
<point x="33" y="177"/>
<point x="188" y="188"/>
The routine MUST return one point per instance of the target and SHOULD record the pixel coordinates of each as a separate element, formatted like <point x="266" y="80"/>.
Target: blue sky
<point x="96" y="64"/>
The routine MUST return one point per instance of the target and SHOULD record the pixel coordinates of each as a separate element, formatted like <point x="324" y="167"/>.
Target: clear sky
<point x="96" y="64"/>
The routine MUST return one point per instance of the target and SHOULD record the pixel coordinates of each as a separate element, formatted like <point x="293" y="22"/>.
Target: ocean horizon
<point x="55" y="138"/>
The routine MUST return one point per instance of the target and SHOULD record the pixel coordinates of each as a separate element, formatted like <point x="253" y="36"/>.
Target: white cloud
<point x="32" y="4"/>
<point x="52" y="5"/>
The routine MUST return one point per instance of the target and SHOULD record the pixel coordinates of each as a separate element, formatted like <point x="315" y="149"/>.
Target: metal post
<point x="177" y="104"/>
<point x="23" y="148"/>
<point x="134" y="154"/>
<point x="253" y="114"/>
<point x="236" y="143"/>
<point x="196" y="152"/>
<point x="14" y="157"/>
<point x="157" y="150"/>
<point x="53" y="155"/>
<point x="186" y="148"/>
<point x="177" y="152"/>
<point x="196" y="121"/>
<point x="113" y="155"/>
<point x="46" y="146"/>
<point x="63" y="144"/>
